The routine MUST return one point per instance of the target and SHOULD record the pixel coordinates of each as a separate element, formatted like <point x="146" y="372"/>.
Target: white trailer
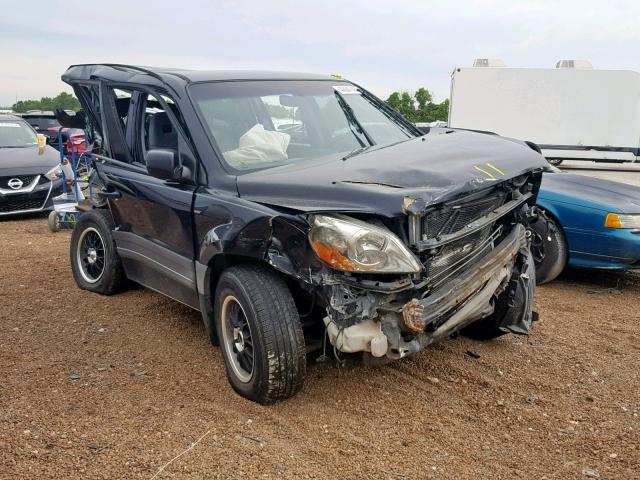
<point x="572" y="111"/>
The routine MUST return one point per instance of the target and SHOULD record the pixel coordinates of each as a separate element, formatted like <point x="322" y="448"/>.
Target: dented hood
<point x="431" y="168"/>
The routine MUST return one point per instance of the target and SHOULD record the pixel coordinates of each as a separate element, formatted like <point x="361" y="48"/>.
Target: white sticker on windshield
<point x="346" y="89"/>
<point x="12" y="125"/>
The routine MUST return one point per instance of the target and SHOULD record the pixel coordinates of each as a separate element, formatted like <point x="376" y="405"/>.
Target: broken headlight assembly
<point x="615" y="220"/>
<point x="351" y="245"/>
<point x="54" y="173"/>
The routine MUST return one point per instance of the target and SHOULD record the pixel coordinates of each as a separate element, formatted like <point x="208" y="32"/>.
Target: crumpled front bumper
<point x="465" y="299"/>
<point x="480" y="281"/>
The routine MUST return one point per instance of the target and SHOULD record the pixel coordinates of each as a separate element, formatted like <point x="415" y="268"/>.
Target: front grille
<point x="25" y="179"/>
<point x="441" y="262"/>
<point x="452" y="253"/>
<point x="19" y="205"/>
<point x="450" y="219"/>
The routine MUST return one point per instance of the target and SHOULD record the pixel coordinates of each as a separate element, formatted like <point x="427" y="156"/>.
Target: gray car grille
<point x="25" y="179"/>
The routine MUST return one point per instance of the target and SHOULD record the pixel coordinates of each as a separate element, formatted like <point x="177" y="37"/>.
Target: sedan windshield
<point x="16" y="134"/>
<point x="261" y="124"/>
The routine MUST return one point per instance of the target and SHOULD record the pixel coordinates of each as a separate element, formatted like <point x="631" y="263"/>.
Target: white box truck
<point x="572" y="111"/>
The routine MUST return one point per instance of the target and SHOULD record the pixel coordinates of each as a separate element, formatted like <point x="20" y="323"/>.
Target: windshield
<point x="260" y="124"/>
<point x="16" y="134"/>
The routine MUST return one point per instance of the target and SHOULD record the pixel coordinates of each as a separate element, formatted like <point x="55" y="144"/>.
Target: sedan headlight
<point x="619" y="220"/>
<point x="54" y="173"/>
<point x="345" y="243"/>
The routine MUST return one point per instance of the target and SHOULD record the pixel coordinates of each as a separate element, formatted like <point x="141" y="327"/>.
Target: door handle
<point x="115" y="194"/>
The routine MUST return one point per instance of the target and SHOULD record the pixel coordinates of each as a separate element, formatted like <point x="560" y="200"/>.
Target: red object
<point x="79" y="146"/>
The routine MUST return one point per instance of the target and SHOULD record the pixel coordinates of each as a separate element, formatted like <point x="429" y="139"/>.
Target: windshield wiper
<point x="356" y="151"/>
<point x="354" y="124"/>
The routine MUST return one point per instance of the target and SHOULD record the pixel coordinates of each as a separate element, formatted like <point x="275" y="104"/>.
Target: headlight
<point x="351" y="245"/>
<point x="619" y="220"/>
<point x="54" y="173"/>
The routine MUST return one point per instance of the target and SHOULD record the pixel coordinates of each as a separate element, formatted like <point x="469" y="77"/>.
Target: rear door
<point x="154" y="223"/>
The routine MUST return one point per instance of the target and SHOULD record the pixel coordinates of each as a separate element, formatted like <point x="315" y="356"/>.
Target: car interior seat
<point x="161" y="133"/>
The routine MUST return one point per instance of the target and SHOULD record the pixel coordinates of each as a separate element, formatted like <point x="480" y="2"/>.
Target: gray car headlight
<point x="351" y="245"/>
<point x="54" y="173"/>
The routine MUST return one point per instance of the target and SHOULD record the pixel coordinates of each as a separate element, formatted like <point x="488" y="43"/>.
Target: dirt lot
<point x="115" y="387"/>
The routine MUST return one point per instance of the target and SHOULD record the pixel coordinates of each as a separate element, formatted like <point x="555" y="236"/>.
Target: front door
<point x="154" y="223"/>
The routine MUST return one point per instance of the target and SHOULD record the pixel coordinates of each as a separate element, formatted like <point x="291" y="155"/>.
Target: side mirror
<point x="162" y="163"/>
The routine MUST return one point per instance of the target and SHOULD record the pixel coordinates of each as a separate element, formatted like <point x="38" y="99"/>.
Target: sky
<point x="382" y="45"/>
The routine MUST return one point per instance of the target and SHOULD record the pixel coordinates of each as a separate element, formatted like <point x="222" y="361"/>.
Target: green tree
<point x="423" y="97"/>
<point x="419" y="107"/>
<point x="63" y="100"/>
<point x="407" y="106"/>
<point x="394" y="101"/>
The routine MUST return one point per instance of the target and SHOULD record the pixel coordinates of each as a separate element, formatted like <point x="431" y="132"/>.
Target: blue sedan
<point x="591" y="223"/>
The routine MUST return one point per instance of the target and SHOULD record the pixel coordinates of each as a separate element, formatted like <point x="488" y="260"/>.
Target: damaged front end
<point x="468" y="265"/>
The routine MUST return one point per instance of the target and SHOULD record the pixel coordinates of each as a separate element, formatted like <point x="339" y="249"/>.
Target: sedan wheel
<point x="549" y="249"/>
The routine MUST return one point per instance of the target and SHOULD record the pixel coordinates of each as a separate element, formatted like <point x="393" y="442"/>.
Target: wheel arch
<point x="207" y="276"/>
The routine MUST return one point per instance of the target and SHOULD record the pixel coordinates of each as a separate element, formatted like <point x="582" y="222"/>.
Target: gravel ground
<point x="116" y="387"/>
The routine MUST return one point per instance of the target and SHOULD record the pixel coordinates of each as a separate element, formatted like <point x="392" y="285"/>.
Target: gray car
<point x="29" y="172"/>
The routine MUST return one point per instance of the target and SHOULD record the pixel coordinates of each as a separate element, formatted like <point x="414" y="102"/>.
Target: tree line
<point x="63" y="100"/>
<point x="419" y="106"/>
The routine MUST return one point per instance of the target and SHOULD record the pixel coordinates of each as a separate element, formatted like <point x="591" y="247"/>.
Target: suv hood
<point x="432" y="168"/>
<point x="27" y="161"/>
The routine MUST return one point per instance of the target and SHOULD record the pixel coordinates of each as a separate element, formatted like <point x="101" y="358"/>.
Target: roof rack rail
<point x="133" y="67"/>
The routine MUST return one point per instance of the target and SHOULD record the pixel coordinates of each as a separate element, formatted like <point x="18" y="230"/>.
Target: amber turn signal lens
<point x="331" y="256"/>
<point x="612" y="221"/>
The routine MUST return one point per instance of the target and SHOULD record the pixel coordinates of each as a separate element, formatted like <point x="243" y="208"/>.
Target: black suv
<point x="299" y="212"/>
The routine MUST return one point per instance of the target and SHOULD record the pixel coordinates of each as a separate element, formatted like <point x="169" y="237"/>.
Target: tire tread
<point x="113" y="279"/>
<point x="280" y="331"/>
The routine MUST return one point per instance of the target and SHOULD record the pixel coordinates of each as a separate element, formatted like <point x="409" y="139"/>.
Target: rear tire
<point x="549" y="249"/>
<point x="260" y="334"/>
<point x="95" y="262"/>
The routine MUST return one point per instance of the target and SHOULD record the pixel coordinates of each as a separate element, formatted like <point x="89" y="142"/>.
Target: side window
<point x="123" y="104"/>
<point x="117" y="110"/>
<point x="156" y="130"/>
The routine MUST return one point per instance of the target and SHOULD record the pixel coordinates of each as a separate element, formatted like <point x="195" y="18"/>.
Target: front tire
<point x="95" y="262"/>
<point x="260" y="334"/>
<point x="549" y="249"/>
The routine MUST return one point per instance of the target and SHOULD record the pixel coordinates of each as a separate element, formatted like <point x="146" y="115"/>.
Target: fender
<point x="276" y="238"/>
